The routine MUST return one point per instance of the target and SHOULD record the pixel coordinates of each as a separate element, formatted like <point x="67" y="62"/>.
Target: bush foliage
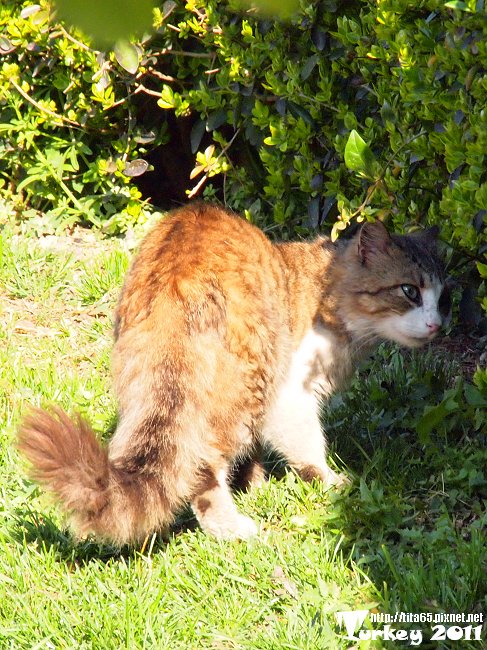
<point x="69" y="140"/>
<point x="347" y="111"/>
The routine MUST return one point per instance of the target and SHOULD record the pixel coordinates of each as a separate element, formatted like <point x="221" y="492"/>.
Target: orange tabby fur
<point x="212" y="319"/>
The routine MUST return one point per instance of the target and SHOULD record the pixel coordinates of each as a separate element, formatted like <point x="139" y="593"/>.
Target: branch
<point x="203" y="180"/>
<point x="83" y="46"/>
<point x="28" y="98"/>
<point x="378" y="181"/>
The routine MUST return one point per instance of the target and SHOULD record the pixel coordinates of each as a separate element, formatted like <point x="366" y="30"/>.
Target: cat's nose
<point x="433" y="327"/>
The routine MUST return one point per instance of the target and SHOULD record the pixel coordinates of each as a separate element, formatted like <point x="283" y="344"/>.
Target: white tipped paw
<point x="245" y="527"/>
<point x="236" y="527"/>
<point x="336" y="480"/>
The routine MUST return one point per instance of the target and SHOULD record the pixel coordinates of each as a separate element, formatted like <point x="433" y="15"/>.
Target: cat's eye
<point x="411" y="292"/>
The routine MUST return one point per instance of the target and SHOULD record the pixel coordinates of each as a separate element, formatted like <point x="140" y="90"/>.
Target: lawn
<point x="408" y="534"/>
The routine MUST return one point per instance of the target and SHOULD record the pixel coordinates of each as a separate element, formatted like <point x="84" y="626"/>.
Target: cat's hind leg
<point x="215" y="508"/>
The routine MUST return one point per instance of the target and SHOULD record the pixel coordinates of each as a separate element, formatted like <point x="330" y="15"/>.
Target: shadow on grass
<point x="29" y="529"/>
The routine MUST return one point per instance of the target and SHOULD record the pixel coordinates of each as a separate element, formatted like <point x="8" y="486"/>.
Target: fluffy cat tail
<point x="100" y="498"/>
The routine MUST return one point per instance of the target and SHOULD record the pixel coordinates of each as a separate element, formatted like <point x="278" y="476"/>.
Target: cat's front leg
<point x="292" y="427"/>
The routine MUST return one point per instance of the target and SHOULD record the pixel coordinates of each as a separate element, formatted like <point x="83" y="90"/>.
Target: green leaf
<point x="110" y="20"/>
<point x="298" y="111"/>
<point x="434" y="415"/>
<point x="359" y="157"/>
<point x="457" y="4"/>
<point x="167" y="97"/>
<point x="147" y="137"/>
<point x="216" y="119"/>
<point x="167" y="8"/>
<point x="127" y="55"/>
<point x="30" y="10"/>
<point x="281" y="8"/>
<point x="6" y="46"/>
<point x="386" y="112"/>
<point x="308" y="67"/>
<point x="474" y="397"/>
<point x="482" y="268"/>
<point x="197" y="133"/>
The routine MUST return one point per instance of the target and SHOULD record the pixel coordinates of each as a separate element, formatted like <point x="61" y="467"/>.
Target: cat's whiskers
<point x="366" y="338"/>
<point x="395" y="312"/>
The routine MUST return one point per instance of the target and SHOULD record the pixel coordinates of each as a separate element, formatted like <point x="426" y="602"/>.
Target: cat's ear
<point x="373" y="239"/>
<point x="431" y="233"/>
<point x="430" y="236"/>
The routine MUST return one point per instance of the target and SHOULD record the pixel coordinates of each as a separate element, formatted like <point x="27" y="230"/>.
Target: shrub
<point x="407" y="77"/>
<point x="69" y="141"/>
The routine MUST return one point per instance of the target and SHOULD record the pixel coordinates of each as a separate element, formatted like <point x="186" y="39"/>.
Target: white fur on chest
<point x="320" y="363"/>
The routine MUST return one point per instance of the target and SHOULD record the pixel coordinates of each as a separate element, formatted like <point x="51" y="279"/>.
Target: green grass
<point x="407" y="535"/>
<point x="99" y="280"/>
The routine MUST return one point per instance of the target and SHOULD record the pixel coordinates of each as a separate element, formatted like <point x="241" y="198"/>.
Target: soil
<point x="468" y="350"/>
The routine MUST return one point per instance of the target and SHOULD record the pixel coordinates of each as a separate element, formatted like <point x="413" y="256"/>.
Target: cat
<point x="225" y="343"/>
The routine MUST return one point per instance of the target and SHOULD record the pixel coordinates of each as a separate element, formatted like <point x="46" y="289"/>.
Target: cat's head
<point x="398" y="285"/>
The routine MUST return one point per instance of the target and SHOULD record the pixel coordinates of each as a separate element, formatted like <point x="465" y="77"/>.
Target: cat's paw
<point x="235" y="527"/>
<point x="245" y="527"/>
<point x="324" y="474"/>
<point x="333" y="479"/>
